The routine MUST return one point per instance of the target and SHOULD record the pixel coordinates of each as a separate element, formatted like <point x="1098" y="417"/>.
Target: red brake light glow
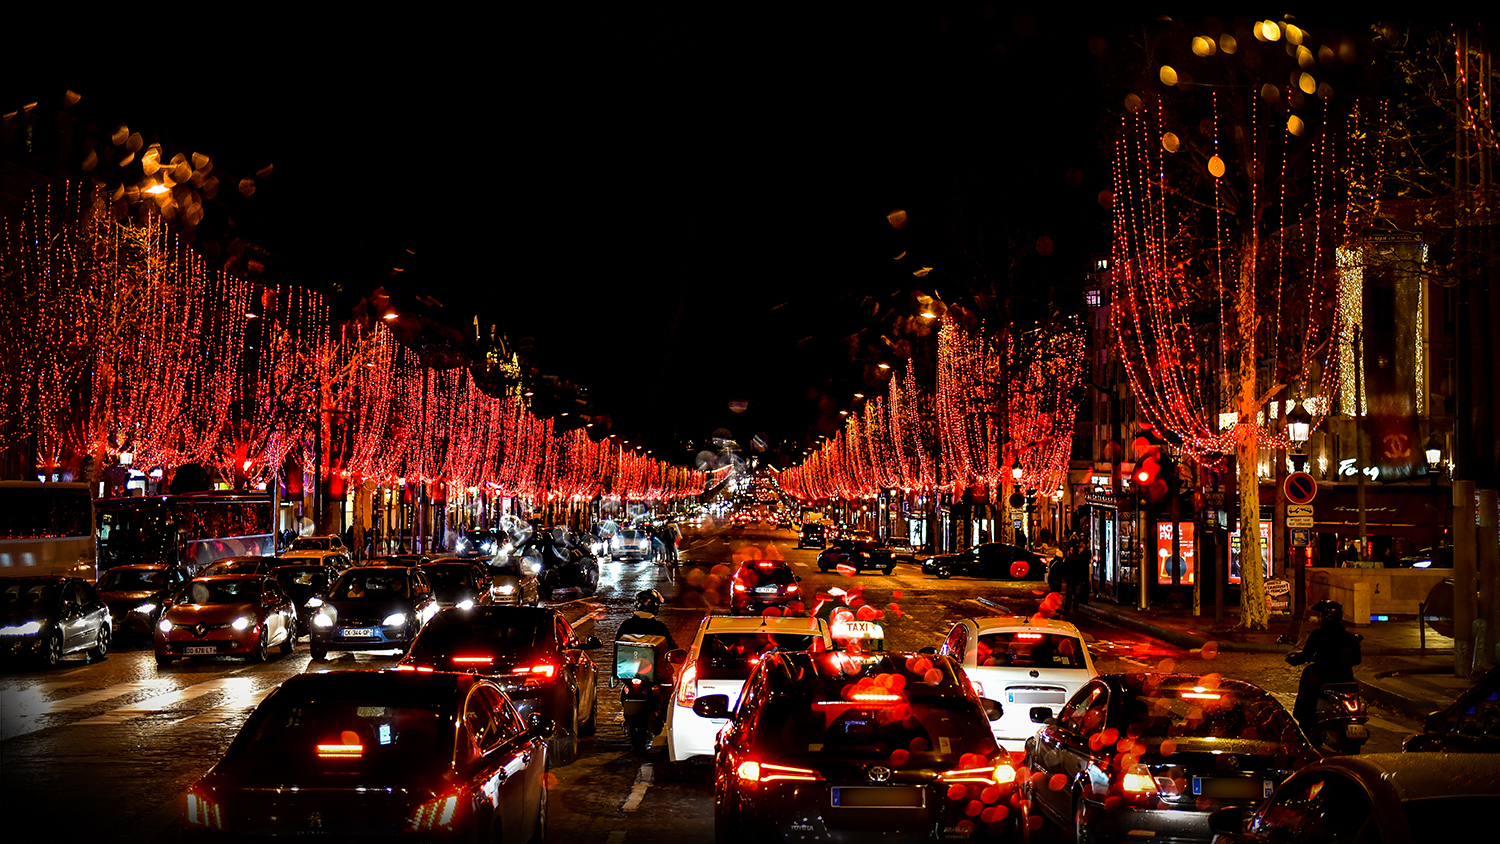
<point x="751" y="772"/>
<point x="1201" y="695"/>
<point x="738" y="586"/>
<point x="425" y="669"/>
<point x="541" y="669"/>
<point x="202" y="811"/>
<point x="875" y="697"/>
<point x="350" y="748"/>
<point x="474" y="660"/>
<point x="1138" y="781"/>
<point x="792" y="588"/>
<point x="1028" y="635"/>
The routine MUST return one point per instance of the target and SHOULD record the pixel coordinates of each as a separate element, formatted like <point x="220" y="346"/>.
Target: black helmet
<point x="1329" y="613"/>
<point x="649" y="601"/>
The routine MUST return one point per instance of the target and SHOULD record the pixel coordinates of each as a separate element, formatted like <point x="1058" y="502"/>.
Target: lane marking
<point x="233" y="708"/>
<point x="638" y="791"/>
<point x="162" y="703"/>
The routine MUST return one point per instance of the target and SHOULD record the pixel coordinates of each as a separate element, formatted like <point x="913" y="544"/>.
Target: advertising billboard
<point x="1186" y="563"/>
<point x="1265" y="551"/>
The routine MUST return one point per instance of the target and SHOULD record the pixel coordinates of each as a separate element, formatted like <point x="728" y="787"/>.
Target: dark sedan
<point x="839" y="747"/>
<point x="367" y="755"/>
<point x="992" y="560"/>
<point x="372" y="608"/>
<point x="1155" y="754"/>
<point x="856" y="555"/>
<point x="137" y="595"/>
<point x="458" y="582"/>
<point x="533" y="654"/>
<point x="306" y="582"/>
<point x="49" y="618"/>
<point x="762" y="584"/>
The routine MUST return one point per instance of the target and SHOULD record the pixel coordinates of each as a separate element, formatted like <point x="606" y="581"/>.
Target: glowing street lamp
<point x="1298" y="429"/>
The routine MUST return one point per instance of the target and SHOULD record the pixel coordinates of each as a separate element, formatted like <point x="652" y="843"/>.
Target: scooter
<point x="643" y="696"/>
<point x="1341" y="720"/>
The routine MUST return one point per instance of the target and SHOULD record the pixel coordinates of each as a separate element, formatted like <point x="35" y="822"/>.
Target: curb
<point x="1180" y="638"/>
<point x="1411" y="707"/>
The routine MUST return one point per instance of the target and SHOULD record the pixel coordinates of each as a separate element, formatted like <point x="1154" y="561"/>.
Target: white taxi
<point x="724" y="653"/>
<point x="1021" y="662"/>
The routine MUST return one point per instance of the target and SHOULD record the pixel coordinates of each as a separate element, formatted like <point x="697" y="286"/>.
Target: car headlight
<point x="313" y="602"/>
<point x="322" y="619"/>
<point x="241" y="623"/>
<point x="164" y="626"/>
<point x="146" y="608"/>
<point x="395" y="619"/>
<point x="531" y="566"/>
<point x="506" y="589"/>
<point x="28" y="629"/>
<point x="465" y="604"/>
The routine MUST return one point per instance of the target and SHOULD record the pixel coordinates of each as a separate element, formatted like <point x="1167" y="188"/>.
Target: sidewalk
<point x="1404" y="677"/>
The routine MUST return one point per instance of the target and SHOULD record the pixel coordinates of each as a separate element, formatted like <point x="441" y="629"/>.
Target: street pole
<point x="1463" y="576"/>
<point x="1487" y="614"/>
<point x="1359" y="435"/>
<point x="1142" y="563"/>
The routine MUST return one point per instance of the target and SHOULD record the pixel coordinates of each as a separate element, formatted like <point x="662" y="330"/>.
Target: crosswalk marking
<point x="90" y="698"/>
<point x="232" y="709"/>
<point x="161" y="703"/>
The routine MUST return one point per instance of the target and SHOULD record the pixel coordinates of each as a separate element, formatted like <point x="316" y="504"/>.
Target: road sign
<point x="1299" y="515"/>
<point x="1301" y="537"/>
<point x="1300" y="488"/>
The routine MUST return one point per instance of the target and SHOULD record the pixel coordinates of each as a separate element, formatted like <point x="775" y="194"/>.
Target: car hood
<point x="15" y="616"/>
<point x="190" y="614"/>
<point x="368" y="607"/>
<point x="127" y="600"/>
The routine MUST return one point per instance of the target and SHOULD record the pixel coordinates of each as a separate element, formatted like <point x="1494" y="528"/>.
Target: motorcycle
<point x="1341" y="721"/>
<point x="643" y="695"/>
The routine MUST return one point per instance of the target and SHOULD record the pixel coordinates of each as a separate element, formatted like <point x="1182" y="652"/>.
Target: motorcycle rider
<point x="644" y="622"/>
<point x="1332" y="652"/>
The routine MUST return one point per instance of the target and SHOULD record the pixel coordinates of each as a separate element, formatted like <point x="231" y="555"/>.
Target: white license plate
<point x="1356" y="731"/>
<point x="768" y="590"/>
<point x="200" y="650"/>
<point x="354" y="632"/>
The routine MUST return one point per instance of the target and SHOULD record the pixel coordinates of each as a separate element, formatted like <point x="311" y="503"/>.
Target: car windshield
<point x="1207" y="713"/>
<point x="447" y="579"/>
<point x="132" y="580"/>
<point x="219" y="592"/>
<point x="375" y="585"/>
<point x="449" y="633"/>
<point x="310" y="577"/>
<point x="1027" y="649"/>
<point x="631" y="536"/>
<point x="734" y="655"/>
<point x="24" y="599"/>
<point x="236" y="567"/>
<point x="506" y="565"/>
<point x="310" y="543"/>
<point x="354" y="737"/>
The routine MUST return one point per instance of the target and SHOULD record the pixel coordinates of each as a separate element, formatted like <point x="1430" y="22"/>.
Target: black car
<point x="839" y="747"/>
<point x="458" y="582"/>
<point x="558" y="565"/>
<point x="812" y="536"/>
<point x="759" y="584"/>
<point x="372" y="608"/>
<point x="1470" y="724"/>
<point x="137" y="594"/>
<point x="533" y="654"/>
<point x="992" y="560"/>
<point x="49" y="618"/>
<point x="367" y="755"/>
<point x="857" y="554"/>
<point x="306" y="582"/>
<point x="1158" y="752"/>
<point x="477" y="543"/>
<point x="241" y="565"/>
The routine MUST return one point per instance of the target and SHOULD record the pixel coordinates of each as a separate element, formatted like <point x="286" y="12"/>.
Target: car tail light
<point x="341" y="751"/>
<point x="541" y="671"/>
<point x="1138" y="784"/>
<point x="792" y="588"/>
<point x="474" y="660"/>
<point x="1028" y="635"/>
<point x="991" y="773"/>
<point x="875" y="697"/>
<point x="978" y="687"/>
<point x="738" y="586"/>
<point x="437" y="813"/>
<point x="752" y="773"/>
<point x="687" y="687"/>
<point x="425" y="669"/>
<point x="203" y="811"/>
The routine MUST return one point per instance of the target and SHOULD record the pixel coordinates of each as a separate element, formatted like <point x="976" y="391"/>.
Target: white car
<point x="725" y="651"/>
<point x="1021" y="662"/>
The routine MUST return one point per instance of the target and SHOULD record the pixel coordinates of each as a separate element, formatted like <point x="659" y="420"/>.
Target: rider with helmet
<point x="1332" y="652"/>
<point x="645" y="623"/>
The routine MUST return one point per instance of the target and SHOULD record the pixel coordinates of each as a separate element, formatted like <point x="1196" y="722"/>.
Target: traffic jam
<point x="444" y="699"/>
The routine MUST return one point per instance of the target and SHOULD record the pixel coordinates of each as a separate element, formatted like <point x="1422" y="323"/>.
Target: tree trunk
<point x="1253" y="613"/>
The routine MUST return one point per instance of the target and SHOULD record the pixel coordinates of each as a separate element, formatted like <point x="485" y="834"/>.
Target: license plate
<point x="768" y="590"/>
<point x="888" y="797"/>
<point x="1231" y="787"/>
<point x="364" y="632"/>
<point x="1356" y="731"/>
<point x="200" y="650"/>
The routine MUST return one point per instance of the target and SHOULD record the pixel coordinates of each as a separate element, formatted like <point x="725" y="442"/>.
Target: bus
<point x="194" y="529"/>
<point x="46" y="529"/>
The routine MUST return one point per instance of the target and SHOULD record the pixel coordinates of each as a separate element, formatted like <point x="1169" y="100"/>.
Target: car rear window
<point x="449" y="633"/>
<point x="726" y="656"/>
<point x="1207" y="713"/>
<point x="819" y="721"/>
<point x="132" y="580"/>
<point x="356" y="737"/>
<point x="1027" y="649"/>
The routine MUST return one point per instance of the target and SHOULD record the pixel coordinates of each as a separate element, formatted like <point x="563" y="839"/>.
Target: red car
<point x="227" y="615"/>
<point x="759" y="584"/>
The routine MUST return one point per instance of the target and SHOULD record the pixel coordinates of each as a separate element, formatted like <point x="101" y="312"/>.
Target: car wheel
<point x="539" y="831"/>
<point x="822" y="567"/>
<point x="101" y="644"/>
<point x="164" y="660"/>
<point x="289" y="642"/>
<point x="565" y="741"/>
<point x="888" y="569"/>
<point x="943" y="572"/>
<point x="589" y="727"/>
<point x="319" y="653"/>
<point x="262" y="647"/>
<point x="726" y="825"/>
<point x="52" y="652"/>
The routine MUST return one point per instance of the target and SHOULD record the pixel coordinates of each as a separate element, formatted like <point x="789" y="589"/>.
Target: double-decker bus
<point x="194" y="529"/>
<point x="46" y="528"/>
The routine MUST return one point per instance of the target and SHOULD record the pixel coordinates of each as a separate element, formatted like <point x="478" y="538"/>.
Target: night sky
<point x="673" y="211"/>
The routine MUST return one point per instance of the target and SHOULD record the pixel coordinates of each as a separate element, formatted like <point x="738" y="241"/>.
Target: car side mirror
<point x="677" y="656"/>
<point x="1229" y="820"/>
<point x="927" y="650"/>
<point x="712" y="706"/>
<point x="1041" y="715"/>
<point x="591" y="643"/>
<point x="541" y="726"/>
<point x="1435" y="722"/>
<point x="992" y="708"/>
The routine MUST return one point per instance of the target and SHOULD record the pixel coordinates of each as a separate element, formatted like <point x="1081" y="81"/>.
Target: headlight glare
<point x="241" y="623"/>
<point x="146" y="609"/>
<point x="313" y="602"/>
<point x="466" y="605"/>
<point x="322" y="619"/>
<point x="395" y="619"/>
<point x="164" y="626"/>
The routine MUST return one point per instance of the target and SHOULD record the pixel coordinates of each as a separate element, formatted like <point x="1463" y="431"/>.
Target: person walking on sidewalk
<point x="1075" y="577"/>
<point x="1331" y="653"/>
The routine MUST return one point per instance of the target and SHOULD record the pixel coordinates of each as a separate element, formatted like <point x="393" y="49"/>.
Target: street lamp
<point x="1015" y="473"/>
<point x="1298" y="429"/>
<point x="1434" y="456"/>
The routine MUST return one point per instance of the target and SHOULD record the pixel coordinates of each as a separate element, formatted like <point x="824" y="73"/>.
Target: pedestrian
<point x="1075" y="577"/>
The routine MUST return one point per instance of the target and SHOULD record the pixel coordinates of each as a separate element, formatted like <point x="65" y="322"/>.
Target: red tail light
<point x="540" y="671"/>
<point x="792" y="588"/>
<point x="739" y="587"/>
<point x="425" y="669"/>
<point x="752" y="773"/>
<point x="1351" y="703"/>
<point x="473" y="660"/>
<point x="687" y="687"/>
<point x="1138" y="785"/>
<point x="997" y="773"/>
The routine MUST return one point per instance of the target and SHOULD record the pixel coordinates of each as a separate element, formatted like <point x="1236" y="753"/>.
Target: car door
<point x="72" y="619"/>
<point x="1062" y="748"/>
<point x="580" y="667"/>
<point x="95" y="612"/>
<point x="278" y="606"/>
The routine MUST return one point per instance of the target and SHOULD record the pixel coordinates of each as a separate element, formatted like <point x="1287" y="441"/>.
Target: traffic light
<point x="1155" y="476"/>
<point x="1030" y="499"/>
